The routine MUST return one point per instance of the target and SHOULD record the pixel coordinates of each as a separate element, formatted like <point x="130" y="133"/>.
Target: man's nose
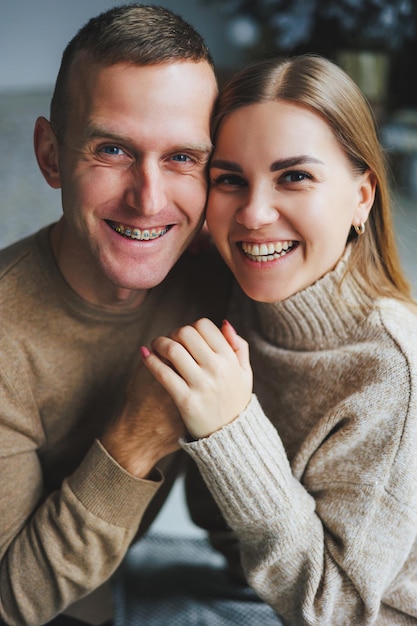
<point x="146" y="192"/>
<point x="258" y="209"/>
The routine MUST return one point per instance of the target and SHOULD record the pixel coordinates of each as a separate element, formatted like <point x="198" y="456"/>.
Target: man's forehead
<point x="180" y="84"/>
<point x="85" y="65"/>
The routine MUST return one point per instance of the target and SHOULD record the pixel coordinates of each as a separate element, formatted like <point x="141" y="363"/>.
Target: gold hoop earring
<point x="360" y="228"/>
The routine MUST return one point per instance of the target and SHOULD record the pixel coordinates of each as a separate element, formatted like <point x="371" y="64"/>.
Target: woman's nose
<point x="258" y="209"/>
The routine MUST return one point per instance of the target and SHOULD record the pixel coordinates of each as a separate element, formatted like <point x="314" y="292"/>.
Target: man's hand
<point x="148" y="427"/>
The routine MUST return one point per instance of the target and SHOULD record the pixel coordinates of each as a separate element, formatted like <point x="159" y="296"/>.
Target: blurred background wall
<point x="33" y="34"/>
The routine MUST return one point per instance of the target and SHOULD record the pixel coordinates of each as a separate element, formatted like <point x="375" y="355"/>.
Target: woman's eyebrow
<point x="282" y="164"/>
<point x="226" y="165"/>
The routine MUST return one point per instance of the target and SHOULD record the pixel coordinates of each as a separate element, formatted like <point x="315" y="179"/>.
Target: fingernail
<point x="144" y="352"/>
<point x="227" y="323"/>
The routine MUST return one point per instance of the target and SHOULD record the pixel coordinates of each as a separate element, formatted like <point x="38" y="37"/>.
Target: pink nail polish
<point x="144" y="352"/>
<point x="227" y="323"/>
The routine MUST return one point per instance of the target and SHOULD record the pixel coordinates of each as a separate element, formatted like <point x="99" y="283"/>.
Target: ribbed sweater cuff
<point x="246" y="468"/>
<point x="108" y="491"/>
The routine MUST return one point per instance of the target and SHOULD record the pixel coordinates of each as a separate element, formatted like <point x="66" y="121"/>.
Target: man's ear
<point x="46" y="150"/>
<point x="366" y="192"/>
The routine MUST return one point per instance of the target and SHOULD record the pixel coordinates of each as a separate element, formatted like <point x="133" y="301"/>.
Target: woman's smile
<point x="266" y="252"/>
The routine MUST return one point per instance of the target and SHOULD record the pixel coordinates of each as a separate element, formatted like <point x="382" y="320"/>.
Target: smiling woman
<point x="298" y="194"/>
<point x="317" y="473"/>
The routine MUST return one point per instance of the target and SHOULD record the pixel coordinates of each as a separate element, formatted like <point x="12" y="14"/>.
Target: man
<point x="127" y="143"/>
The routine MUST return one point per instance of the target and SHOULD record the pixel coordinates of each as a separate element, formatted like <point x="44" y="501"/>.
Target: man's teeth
<point x="136" y="233"/>
<point x="267" y="251"/>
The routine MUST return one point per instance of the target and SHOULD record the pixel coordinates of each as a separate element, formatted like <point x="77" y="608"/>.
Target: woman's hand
<point x="206" y="371"/>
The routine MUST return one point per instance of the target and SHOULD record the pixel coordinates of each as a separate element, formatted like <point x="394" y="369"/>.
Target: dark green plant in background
<point x="283" y="26"/>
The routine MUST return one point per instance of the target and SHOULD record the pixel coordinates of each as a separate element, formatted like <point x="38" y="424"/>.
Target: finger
<point x="203" y="340"/>
<point x="179" y="358"/>
<point x="172" y="381"/>
<point x="230" y="335"/>
<point x="238" y="344"/>
<point x="211" y="334"/>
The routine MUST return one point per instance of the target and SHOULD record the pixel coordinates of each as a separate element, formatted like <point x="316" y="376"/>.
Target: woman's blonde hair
<point x="321" y="85"/>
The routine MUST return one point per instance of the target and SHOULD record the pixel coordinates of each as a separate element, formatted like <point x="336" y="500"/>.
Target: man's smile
<point x="136" y="233"/>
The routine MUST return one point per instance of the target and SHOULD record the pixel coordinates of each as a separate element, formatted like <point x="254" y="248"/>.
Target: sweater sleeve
<point x="322" y="548"/>
<point x="56" y="548"/>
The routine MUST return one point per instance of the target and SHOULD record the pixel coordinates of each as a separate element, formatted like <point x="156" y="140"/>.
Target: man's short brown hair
<point x="137" y="34"/>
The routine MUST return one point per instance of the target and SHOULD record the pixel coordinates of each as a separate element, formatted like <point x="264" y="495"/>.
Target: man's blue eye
<point x="182" y="158"/>
<point x="113" y="150"/>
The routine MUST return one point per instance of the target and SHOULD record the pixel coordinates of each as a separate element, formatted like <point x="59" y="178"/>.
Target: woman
<point x="320" y="484"/>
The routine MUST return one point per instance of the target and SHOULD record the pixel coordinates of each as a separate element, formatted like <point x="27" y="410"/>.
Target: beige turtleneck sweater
<point x="320" y="484"/>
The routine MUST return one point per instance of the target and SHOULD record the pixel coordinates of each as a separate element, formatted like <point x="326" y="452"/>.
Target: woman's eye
<point x="229" y="180"/>
<point x="295" y="176"/>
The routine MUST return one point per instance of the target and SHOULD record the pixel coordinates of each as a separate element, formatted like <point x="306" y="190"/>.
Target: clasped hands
<point x="206" y="371"/>
<point x="207" y="377"/>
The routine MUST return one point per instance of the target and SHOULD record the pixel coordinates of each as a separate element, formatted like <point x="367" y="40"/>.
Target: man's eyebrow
<point x="280" y="164"/>
<point x="99" y="132"/>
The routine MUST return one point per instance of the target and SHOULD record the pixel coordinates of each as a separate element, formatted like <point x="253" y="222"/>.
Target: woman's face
<point x="283" y="198"/>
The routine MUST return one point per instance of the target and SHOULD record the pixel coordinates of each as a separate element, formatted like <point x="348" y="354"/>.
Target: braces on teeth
<point x="136" y="233"/>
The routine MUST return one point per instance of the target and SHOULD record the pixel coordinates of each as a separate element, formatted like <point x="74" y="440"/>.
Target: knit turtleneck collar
<point x="322" y="316"/>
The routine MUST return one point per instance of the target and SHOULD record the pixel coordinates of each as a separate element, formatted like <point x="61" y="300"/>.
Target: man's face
<point x="132" y="169"/>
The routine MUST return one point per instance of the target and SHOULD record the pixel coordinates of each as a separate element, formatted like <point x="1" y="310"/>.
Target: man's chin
<point x="142" y="280"/>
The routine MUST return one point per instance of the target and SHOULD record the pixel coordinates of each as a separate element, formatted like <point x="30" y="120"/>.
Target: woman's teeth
<point x="136" y="233"/>
<point x="265" y="252"/>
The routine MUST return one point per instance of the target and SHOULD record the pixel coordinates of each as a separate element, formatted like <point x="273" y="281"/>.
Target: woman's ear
<point x="366" y="192"/>
<point x="46" y="150"/>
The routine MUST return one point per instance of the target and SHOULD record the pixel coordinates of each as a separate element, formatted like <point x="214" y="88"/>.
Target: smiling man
<point x="128" y="144"/>
<point x="132" y="167"/>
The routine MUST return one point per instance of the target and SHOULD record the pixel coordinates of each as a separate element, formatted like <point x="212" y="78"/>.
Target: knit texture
<point x="320" y="484"/>
<point x="68" y="511"/>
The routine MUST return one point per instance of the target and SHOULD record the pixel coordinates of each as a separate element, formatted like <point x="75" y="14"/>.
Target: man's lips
<point x="131" y="232"/>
